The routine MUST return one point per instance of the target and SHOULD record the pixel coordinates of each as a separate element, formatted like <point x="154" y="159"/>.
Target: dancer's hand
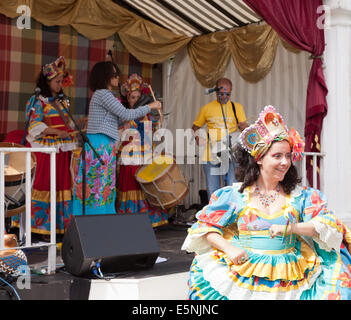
<point x="156" y="105"/>
<point x="237" y="255"/>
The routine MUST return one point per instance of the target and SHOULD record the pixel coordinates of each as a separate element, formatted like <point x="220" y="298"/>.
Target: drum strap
<point x="236" y="117"/>
<point x="59" y="110"/>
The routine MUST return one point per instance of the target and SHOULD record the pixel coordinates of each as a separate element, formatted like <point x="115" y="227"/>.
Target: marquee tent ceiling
<point x="193" y="17"/>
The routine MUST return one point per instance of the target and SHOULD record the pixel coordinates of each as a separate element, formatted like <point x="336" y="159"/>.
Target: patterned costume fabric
<point x="100" y="179"/>
<point x="25" y="51"/>
<point x="270" y="127"/>
<point x="278" y="268"/>
<point x="105" y="112"/>
<point x="11" y="264"/>
<point x="133" y="153"/>
<point x="131" y="198"/>
<point x="45" y="115"/>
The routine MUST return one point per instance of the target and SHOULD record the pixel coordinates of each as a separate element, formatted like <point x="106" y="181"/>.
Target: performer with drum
<point x="49" y="126"/>
<point x="131" y="197"/>
<point x="105" y="115"/>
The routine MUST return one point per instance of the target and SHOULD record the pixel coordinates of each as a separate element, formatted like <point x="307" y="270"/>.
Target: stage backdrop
<point x="23" y="52"/>
<point x="283" y="87"/>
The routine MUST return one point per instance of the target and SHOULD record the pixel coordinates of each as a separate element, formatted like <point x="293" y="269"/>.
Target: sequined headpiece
<point x="269" y="127"/>
<point x="55" y="68"/>
<point x="134" y="83"/>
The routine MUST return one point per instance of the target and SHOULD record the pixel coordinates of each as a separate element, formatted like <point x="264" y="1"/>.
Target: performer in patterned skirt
<point x="105" y="114"/>
<point x="50" y="126"/>
<point x="131" y="198"/>
<point x="268" y="237"/>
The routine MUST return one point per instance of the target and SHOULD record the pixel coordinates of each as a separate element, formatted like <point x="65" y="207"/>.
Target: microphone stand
<point x="84" y="140"/>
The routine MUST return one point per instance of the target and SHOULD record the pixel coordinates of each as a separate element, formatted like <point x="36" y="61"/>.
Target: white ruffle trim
<point x="59" y="147"/>
<point x="295" y="193"/>
<point x="36" y="132"/>
<point x="196" y="243"/>
<point x="329" y="238"/>
<point x="216" y="275"/>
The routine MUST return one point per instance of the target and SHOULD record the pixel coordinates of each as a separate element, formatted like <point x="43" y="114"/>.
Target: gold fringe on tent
<point x="252" y="47"/>
<point x="100" y="19"/>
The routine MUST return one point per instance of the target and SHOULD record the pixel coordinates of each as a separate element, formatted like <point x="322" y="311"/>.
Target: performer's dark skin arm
<point x="243" y="125"/>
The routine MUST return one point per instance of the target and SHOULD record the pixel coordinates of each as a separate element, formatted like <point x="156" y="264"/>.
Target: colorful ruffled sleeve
<point x="221" y="212"/>
<point x="36" y="124"/>
<point x="314" y="209"/>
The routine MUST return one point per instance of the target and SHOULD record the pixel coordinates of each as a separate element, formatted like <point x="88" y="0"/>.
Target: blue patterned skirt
<point x="100" y="179"/>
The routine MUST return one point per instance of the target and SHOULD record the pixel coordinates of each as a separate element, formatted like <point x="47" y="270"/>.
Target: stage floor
<point x="64" y="286"/>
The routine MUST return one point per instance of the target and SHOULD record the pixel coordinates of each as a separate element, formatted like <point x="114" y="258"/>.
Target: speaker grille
<point x="120" y="242"/>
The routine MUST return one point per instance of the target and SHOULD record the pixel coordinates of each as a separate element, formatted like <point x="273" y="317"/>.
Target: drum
<point x="15" y="179"/>
<point x="162" y="182"/>
<point x="10" y="242"/>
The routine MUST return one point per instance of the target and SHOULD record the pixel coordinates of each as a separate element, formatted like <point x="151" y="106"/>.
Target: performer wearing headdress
<point x="106" y="112"/>
<point x="131" y="198"/>
<point x="50" y="126"/>
<point x="267" y="237"/>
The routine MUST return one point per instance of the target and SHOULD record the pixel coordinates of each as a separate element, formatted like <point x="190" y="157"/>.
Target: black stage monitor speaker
<point x="119" y="242"/>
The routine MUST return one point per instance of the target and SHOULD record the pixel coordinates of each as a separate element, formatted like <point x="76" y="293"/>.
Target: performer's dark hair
<point x="248" y="171"/>
<point x="101" y="75"/>
<point x="43" y="84"/>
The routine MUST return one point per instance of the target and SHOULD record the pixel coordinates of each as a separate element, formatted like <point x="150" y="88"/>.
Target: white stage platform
<point x="167" y="287"/>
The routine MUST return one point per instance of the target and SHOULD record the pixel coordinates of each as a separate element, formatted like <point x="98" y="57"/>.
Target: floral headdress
<point x="134" y="83"/>
<point x="269" y="127"/>
<point x="55" y="68"/>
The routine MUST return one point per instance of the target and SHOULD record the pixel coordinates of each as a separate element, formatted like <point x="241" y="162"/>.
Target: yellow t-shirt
<point x="212" y="116"/>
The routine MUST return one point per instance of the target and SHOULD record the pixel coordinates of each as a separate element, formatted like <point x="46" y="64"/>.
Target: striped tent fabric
<point x="23" y="52"/>
<point x="193" y="17"/>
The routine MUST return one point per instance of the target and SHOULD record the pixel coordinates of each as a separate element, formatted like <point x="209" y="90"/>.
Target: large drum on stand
<point x="163" y="182"/>
<point x="15" y="179"/>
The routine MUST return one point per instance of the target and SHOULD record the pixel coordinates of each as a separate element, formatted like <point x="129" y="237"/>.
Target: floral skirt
<point x="100" y="195"/>
<point x="132" y="199"/>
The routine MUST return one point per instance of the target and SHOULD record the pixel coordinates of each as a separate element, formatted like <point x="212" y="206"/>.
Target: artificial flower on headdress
<point x="297" y="145"/>
<point x="269" y="127"/>
<point x="134" y="83"/>
<point x="67" y="80"/>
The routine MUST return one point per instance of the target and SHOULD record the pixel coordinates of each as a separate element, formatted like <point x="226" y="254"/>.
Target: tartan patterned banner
<point x="23" y="52"/>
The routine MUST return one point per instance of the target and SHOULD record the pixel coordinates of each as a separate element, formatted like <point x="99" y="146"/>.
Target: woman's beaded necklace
<point x="268" y="199"/>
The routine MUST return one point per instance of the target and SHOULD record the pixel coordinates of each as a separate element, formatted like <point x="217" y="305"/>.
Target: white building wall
<point x="336" y="134"/>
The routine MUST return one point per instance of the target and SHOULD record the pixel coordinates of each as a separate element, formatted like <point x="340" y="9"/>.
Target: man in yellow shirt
<point x="221" y="123"/>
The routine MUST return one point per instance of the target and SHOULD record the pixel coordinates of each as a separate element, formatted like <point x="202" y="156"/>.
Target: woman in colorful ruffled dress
<point x="131" y="198"/>
<point x="267" y="237"/>
<point x="105" y="114"/>
<point x="50" y="126"/>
